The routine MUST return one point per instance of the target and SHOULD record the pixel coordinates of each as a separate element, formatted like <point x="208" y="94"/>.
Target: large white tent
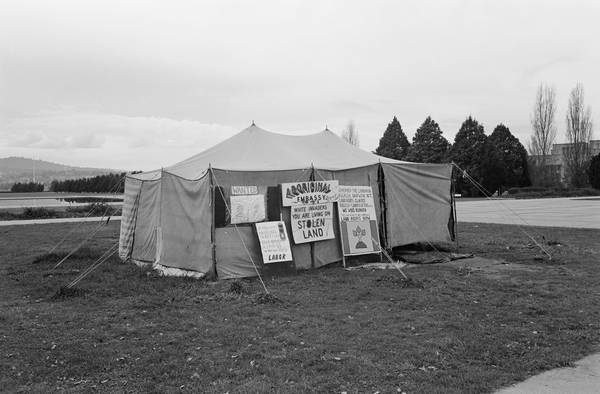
<point x="177" y="218"/>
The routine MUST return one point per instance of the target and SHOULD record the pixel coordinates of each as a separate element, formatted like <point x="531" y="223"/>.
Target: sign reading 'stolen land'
<point x="312" y="222"/>
<point x="316" y="192"/>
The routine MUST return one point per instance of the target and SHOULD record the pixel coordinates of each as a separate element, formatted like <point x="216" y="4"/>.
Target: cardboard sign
<point x="317" y="192"/>
<point x="274" y="242"/>
<point x="247" y="209"/>
<point x="358" y="220"/>
<point x="356" y="203"/>
<point x="242" y="190"/>
<point x="312" y="222"/>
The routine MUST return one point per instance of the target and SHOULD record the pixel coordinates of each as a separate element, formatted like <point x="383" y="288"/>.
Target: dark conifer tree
<point x="467" y="152"/>
<point x="393" y="143"/>
<point x="429" y="145"/>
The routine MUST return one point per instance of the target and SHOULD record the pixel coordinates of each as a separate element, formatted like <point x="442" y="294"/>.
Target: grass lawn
<point x="467" y="327"/>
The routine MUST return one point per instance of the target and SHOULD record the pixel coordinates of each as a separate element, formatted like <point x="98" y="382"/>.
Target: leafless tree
<point x="350" y="134"/>
<point x="578" y="133"/>
<point x="544" y="132"/>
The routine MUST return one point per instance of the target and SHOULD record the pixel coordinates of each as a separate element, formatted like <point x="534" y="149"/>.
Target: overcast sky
<point x="141" y="85"/>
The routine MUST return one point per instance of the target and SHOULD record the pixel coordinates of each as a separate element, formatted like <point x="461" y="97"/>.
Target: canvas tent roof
<point x="255" y="149"/>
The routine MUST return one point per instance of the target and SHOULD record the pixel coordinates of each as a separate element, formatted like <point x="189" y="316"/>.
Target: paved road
<point x="559" y="212"/>
<point x="48" y="221"/>
<point x="584" y="378"/>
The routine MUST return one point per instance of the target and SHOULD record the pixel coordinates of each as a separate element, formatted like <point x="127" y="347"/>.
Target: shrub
<point x="38" y="213"/>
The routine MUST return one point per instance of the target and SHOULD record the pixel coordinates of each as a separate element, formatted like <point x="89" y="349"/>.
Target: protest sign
<point x="274" y="242"/>
<point x="317" y="192"/>
<point x="241" y="190"/>
<point x="358" y="220"/>
<point x="247" y="209"/>
<point x="312" y="222"/>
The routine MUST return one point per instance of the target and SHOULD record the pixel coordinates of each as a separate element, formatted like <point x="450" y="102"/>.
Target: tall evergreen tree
<point x="504" y="161"/>
<point x="467" y="152"/>
<point x="394" y="143"/>
<point x="429" y="145"/>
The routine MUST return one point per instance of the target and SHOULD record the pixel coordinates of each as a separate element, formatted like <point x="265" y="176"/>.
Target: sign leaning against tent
<point x="358" y="220"/>
<point x="274" y="242"/>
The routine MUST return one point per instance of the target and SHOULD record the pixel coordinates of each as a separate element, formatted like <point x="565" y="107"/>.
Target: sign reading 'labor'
<point x="274" y="242"/>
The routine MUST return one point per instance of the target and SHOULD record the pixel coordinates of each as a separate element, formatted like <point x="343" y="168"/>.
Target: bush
<point x="30" y="187"/>
<point x="38" y="213"/>
<point x="594" y="172"/>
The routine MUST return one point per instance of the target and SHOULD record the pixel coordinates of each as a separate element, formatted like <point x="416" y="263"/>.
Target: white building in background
<point x="555" y="166"/>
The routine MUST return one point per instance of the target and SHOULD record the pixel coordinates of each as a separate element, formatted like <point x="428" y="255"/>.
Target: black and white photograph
<point x="300" y="196"/>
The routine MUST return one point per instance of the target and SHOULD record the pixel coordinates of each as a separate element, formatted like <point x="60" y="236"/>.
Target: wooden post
<point x="455" y="224"/>
<point x="213" y="244"/>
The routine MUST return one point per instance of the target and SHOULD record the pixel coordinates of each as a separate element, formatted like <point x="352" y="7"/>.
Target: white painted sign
<point x="358" y="220"/>
<point x="356" y="203"/>
<point x="242" y="190"/>
<point x="274" y="242"/>
<point x="317" y="192"/>
<point x="247" y="209"/>
<point x="312" y="222"/>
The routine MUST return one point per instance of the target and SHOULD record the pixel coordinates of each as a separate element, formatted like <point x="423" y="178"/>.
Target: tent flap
<point x="128" y="217"/>
<point x="185" y="223"/>
<point x="144" y="243"/>
<point x="418" y="202"/>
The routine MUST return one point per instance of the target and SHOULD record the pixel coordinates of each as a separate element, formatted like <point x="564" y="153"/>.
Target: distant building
<point x="554" y="171"/>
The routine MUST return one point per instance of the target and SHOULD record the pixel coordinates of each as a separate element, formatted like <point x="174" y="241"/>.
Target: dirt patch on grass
<point x="68" y="292"/>
<point x="400" y="281"/>
<point x="267" y="298"/>
<point x="491" y="268"/>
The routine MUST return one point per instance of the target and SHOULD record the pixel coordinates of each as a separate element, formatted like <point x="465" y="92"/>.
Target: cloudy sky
<point x="140" y="85"/>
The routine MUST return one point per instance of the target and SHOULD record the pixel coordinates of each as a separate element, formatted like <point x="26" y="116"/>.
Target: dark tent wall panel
<point x="144" y="241"/>
<point x="228" y="261"/>
<point x="185" y="223"/>
<point x="231" y="255"/>
<point x="418" y="202"/>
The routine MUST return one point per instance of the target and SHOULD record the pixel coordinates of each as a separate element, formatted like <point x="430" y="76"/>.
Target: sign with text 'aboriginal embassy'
<point x="274" y="242"/>
<point x="358" y="220"/>
<point x="314" y="192"/>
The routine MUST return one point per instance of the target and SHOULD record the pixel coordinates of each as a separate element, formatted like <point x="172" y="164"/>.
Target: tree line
<point x="497" y="162"/>
<point x="27" y="187"/>
<point x="108" y="183"/>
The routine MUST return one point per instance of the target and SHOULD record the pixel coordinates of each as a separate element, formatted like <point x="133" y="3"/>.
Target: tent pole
<point x="312" y="244"/>
<point x="213" y="245"/>
<point x="382" y="211"/>
<point x="455" y="223"/>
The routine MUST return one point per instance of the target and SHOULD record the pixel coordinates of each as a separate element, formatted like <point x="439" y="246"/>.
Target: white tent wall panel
<point x="185" y="223"/>
<point x="418" y="202"/>
<point x="128" y="217"/>
<point x="147" y="222"/>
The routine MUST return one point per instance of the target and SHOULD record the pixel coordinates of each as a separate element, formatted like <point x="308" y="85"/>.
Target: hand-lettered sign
<point x="358" y="220"/>
<point x="274" y="242"/>
<point x="312" y="222"/>
<point x="316" y="192"/>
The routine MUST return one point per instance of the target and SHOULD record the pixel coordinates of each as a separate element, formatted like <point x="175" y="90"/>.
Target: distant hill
<point x="20" y="169"/>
